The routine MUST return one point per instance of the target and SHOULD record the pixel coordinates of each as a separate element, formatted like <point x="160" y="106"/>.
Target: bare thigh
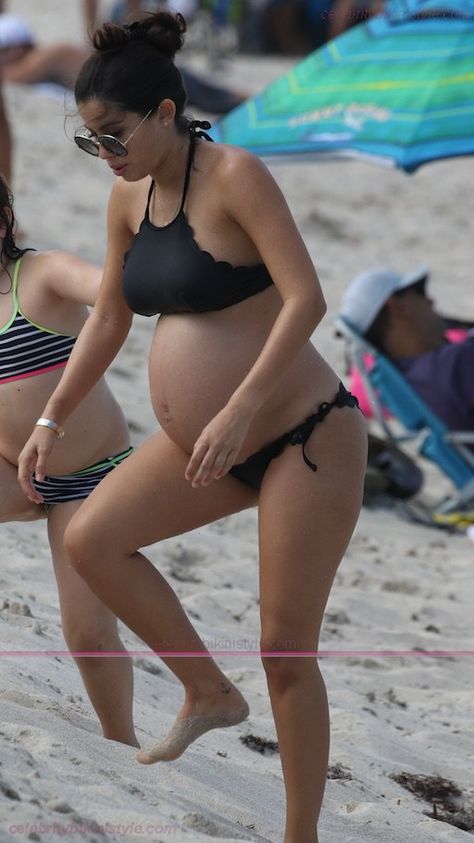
<point x="81" y="610"/>
<point x="147" y="499"/>
<point x="306" y="520"/>
<point x="14" y="505"/>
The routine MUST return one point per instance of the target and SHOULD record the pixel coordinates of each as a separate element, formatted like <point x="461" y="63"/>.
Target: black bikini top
<point x="165" y="271"/>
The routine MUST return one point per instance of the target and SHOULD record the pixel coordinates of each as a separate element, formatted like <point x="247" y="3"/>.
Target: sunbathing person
<point x="23" y="61"/>
<point x="394" y="313"/>
<point x="52" y="289"/>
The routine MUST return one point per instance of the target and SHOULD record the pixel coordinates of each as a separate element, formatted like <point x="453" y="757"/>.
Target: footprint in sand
<point x="184" y="555"/>
<point x="338" y="617"/>
<point x="205" y="825"/>
<point x="59" y="805"/>
<point x="400" y="586"/>
<point x="15" y="608"/>
<point x="147" y="666"/>
<point x="19" y="698"/>
<point x="178" y="572"/>
<point x="66" y="712"/>
<point x="9" y="792"/>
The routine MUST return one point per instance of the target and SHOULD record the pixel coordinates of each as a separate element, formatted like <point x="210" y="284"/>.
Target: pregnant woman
<point x="250" y="413"/>
<point x="43" y="298"/>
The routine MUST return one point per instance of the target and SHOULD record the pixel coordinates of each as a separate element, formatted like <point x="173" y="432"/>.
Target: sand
<point x="403" y="594"/>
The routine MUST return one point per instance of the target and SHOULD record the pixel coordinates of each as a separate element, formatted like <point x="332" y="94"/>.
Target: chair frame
<point x="447" y="449"/>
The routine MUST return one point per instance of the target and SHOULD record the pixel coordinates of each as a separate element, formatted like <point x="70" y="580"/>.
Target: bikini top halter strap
<point x="195" y="130"/>
<point x="15" y="280"/>
<point x="14" y="291"/>
<point x="16" y="275"/>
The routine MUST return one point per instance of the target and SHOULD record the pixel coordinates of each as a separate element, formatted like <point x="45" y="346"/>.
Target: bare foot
<point x="187" y="729"/>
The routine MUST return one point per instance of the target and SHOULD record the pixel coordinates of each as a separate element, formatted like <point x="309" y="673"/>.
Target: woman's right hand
<point x="33" y="461"/>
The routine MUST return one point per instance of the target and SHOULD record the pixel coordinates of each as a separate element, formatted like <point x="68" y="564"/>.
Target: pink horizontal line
<point x="200" y="654"/>
<point x="33" y="374"/>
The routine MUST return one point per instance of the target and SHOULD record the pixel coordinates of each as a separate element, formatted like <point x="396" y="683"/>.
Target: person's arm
<point x="58" y="63"/>
<point x="98" y="343"/>
<point x="70" y="277"/>
<point x="133" y="9"/>
<point x="90" y="9"/>
<point x="5" y="141"/>
<point x="255" y="203"/>
<point x="259" y="207"/>
<point x="34" y="66"/>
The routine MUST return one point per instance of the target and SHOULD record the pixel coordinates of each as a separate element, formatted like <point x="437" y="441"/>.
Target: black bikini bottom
<point x="252" y="470"/>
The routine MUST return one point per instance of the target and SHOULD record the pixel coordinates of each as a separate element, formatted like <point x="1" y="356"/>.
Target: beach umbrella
<point x="397" y="89"/>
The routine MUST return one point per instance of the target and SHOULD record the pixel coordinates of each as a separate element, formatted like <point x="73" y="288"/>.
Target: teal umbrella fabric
<point x="398" y="89"/>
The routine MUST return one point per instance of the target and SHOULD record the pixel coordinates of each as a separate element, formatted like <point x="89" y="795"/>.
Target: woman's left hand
<point x="217" y="448"/>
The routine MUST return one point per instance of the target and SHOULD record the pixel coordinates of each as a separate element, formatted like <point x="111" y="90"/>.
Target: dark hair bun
<point x="110" y="36"/>
<point x="162" y="30"/>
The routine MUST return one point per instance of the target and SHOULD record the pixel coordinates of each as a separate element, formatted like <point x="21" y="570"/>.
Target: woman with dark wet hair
<point x="43" y="298"/>
<point x="250" y="413"/>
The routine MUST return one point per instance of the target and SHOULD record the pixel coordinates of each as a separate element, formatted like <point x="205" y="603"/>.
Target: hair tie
<point x="196" y="126"/>
<point x="135" y="30"/>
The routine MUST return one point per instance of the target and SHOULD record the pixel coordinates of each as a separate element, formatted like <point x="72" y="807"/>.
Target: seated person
<point x="396" y="316"/>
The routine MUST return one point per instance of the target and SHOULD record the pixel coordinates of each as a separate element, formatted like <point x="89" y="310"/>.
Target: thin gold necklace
<point x="163" y="219"/>
<point x="156" y="192"/>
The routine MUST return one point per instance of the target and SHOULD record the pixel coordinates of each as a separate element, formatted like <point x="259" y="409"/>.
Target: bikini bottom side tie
<point x="251" y="471"/>
<point x="300" y="435"/>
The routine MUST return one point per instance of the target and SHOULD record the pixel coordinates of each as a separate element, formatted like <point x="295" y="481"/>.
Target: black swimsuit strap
<point x="301" y="434"/>
<point x="186" y="182"/>
<point x="150" y="193"/>
<point x="193" y="134"/>
<point x="195" y="130"/>
<point x="189" y="164"/>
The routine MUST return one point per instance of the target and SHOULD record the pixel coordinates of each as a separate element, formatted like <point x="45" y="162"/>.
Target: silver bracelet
<point x="52" y="426"/>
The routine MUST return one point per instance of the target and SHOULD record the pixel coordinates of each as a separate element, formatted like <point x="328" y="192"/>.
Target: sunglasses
<point x="86" y="141"/>
<point x="419" y="288"/>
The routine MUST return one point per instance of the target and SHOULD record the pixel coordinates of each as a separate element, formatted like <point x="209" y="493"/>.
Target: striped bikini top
<point x="28" y="349"/>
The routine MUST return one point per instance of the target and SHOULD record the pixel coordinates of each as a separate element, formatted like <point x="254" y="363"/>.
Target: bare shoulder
<point x="63" y="275"/>
<point x="41" y="265"/>
<point x="245" y="184"/>
<point x="232" y="163"/>
<point x="55" y="263"/>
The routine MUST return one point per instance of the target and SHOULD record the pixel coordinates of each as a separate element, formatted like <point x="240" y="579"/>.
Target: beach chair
<point x="388" y="389"/>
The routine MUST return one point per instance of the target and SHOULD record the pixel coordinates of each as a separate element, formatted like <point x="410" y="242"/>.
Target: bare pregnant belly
<point x="198" y="360"/>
